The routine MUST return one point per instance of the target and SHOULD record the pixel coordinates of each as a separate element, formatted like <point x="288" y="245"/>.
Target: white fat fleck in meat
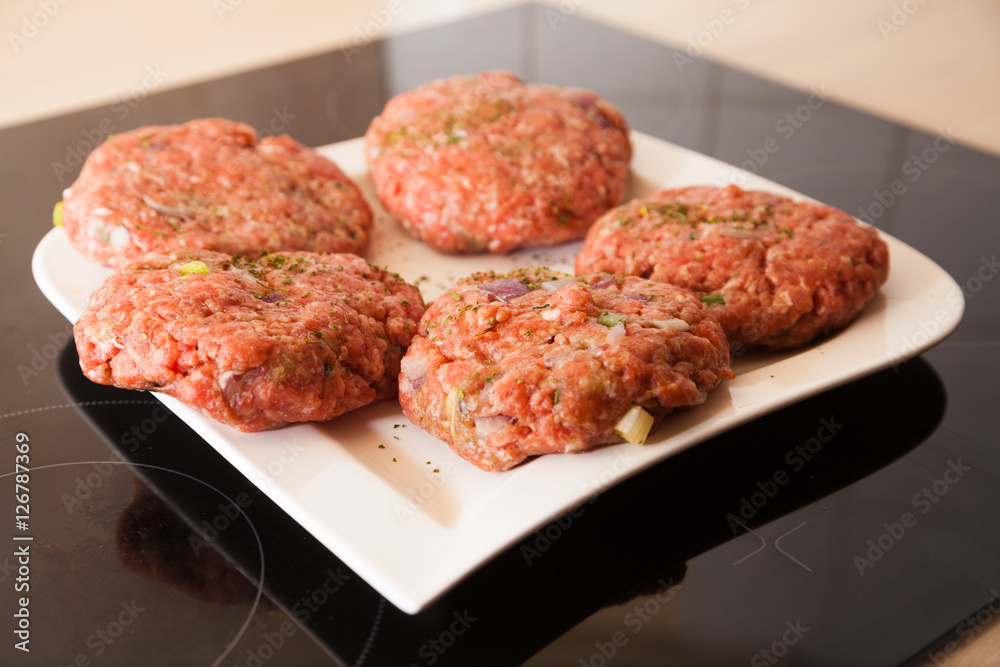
<point x="101" y="211"/>
<point x="672" y="323"/>
<point x="225" y="378"/>
<point x="551" y="315"/>
<point x="119" y="237"/>
<point x="558" y="153"/>
<point x="616" y="333"/>
<point x="243" y="275"/>
<point x="68" y="192"/>
<point x="736" y="233"/>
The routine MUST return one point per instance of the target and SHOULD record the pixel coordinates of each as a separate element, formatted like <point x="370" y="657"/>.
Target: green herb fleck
<point x="713" y="300"/>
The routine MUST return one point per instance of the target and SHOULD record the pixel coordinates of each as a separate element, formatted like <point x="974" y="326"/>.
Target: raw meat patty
<point x="510" y="366"/>
<point x="210" y="184"/>
<point x="255" y="344"/>
<point x="774" y="271"/>
<point x="486" y="162"/>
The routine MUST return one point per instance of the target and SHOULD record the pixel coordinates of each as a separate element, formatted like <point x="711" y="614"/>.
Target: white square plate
<point x="413" y="533"/>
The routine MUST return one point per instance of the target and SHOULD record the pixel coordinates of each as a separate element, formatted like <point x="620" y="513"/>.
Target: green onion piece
<point x="193" y="267"/>
<point x="713" y="300"/>
<point x="611" y="319"/>
<point x="635" y="425"/>
<point x="57" y="215"/>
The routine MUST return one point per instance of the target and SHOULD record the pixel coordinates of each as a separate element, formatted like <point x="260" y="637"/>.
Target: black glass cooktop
<point x="858" y="527"/>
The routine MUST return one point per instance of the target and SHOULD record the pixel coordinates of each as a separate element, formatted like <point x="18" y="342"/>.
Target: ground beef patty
<point x="488" y="163"/>
<point x="255" y="344"/>
<point x="210" y="184"/>
<point x="510" y="366"/>
<point x="775" y="272"/>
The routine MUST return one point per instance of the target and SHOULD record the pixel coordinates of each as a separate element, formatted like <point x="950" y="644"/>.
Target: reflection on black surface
<point x="154" y="540"/>
<point x="631" y="541"/>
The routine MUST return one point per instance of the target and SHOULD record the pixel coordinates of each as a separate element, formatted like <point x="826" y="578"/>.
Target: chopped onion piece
<point x="195" y="266"/>
<point x="165" y="210"/>
<point x="487" y="426"/>
<point x="553" y="285"/>
<point x="635" y="425"/>
<point x="505" y="289"/>
<point x="555" y="359"/>
<point x="273" y="297"/>
<point x="451" y="407"/>
<point x="605" y="282"/>
<point x="673" y="323"/>
<point x="414" y="368"/>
